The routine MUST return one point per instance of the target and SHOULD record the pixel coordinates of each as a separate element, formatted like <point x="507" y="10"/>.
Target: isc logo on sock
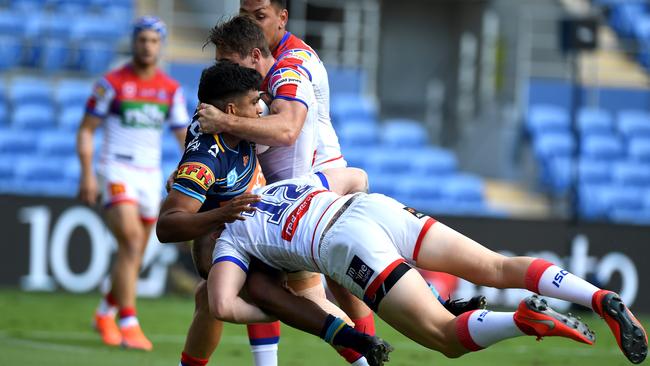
<point x="359" y="272"/>
<point x="559" y="277"/>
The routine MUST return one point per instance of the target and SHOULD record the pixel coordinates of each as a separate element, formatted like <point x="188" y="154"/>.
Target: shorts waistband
<point x="337" y="215"/>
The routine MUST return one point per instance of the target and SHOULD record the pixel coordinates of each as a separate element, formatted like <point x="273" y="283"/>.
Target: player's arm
<point x="347" y="180"/>
<point x="180" y="220"/>
<point x="85" y="146"/>
<point x="281" y="128"/>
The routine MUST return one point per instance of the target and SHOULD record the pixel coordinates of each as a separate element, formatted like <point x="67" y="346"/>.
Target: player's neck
<point x="276" y="44"/>
<point x="266" y="65"/>
<point x="144" y="71"/>
<point x="230" y="140"/>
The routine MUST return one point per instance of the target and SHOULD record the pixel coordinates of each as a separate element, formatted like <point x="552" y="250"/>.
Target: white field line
<point x="41" y="339"/>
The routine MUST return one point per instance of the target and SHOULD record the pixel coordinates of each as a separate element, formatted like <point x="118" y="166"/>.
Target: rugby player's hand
<point x="232" y="210"/>
<point x="170" y="180"/>
<point x="211" y="119"/>
<point x="88" y="190"/>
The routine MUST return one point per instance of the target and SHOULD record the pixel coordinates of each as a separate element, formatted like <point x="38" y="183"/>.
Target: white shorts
<point x="122" y="183"/>
<point x="375" y="237"/>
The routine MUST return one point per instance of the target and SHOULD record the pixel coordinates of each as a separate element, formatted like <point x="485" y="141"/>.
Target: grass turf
<point x="54" y="329"/>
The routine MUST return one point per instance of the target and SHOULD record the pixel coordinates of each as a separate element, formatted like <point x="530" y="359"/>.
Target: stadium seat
<point x="357" y="156"/>
<point x="69" y="118"/>
<point x="388" y="161"/>
<point x="16" y="142"/>
<point x="602" y="147"/>
<point x="95" y="57"/>
<point x="344" y="80"/>
<point x="633" y="123"/>
<point x="7" y="169"/>
<point x="594" y="172"/>
<point x="557" y="174"/>
<point x="44" y="177"/>
<point x="36" y="117"/>
<point x="54" y="55"/>
<point x="171" y="152"/>
<point x="104" y="29"/>
<point x="57" y="144"/>
<point x="630" y="216"/>
<point x="639" y="149"/>
<point x="553" y="144"/>
<point x="415" y="188"/>
<point x="591" y="205"/>
<point x="29" y="90"/>
<point x="403" y="133"/>
<point x="72" y="93"/>
<point x="462" y="188"/>
<point x="352" y="106"/>
<point x="594" y="121"/>
<point x="388" y="184"/>
<point x="432" y="161"/>
<point x="191" y="99"/>
<point x="357" y="133"/>
<point x="633" y="174"/>
<point x="12" y="24"/>
<point x="548" y="118"/>
<point x="10" y="52"/>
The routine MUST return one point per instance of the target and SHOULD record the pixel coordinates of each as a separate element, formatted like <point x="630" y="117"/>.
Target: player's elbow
<point x="163" y="233"/>
<point x="288" y="137"/>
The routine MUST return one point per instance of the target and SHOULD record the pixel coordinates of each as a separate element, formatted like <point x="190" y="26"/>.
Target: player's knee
<point x="221" y="309"/>
<point x="452" y="352"/>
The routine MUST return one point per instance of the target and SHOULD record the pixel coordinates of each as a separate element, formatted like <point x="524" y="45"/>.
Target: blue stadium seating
<point x="69" y="118"/>
<point x="57" y="144"/>
<point x="548" y="118"/>
<point x="403" y="133"/>
<point x="28" y="90"/>
<point x="388" y="161"/>
<point x="352" y="106"/>
<point x="54" y="55"/>
<point x="633" y="123"/>
<point x="602" y="147"/>
<point x="639" y="149"/>
<point x="388" y="184"/>
<point x="10" y="52"/>
<point x="432" y="161"/>
<point x="462" y="188"/>
<point x="553" y="144"/>
<point x="633" y="174"/>
<point x="594" y="172"/>
<point x="72" y="93"/>
<point x="357" y="133"/>
<point x="594" y="121"/>
<point x="556" y="174"/>
<point x="95" y="57"/>
<point x="36" y="117"/>
<point x="630" y="216"/>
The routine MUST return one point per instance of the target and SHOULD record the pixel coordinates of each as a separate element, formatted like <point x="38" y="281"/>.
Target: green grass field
<point x="54" y="329"/>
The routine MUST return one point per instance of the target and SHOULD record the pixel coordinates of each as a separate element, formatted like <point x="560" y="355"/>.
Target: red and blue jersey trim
<point x="229" y="258"/>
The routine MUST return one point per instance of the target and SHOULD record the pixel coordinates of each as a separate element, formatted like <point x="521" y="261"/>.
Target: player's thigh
<point x="123" y="219"/>
<point x="412" y="309"/>
<point x="202" y="249"/>
<point x="446" y="250"/>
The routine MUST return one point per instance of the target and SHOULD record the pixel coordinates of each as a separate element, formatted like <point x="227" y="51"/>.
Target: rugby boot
<point x="630" y="335"/>
<point x="133" y="337"/>
<point x="378" y="351"/>
<point x="535" y="317"/>
<point x="458" y="306"/>
<point x="107" y="329"/>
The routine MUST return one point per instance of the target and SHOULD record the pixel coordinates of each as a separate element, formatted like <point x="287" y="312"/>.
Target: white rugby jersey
<point x="285" y="230"/>
<point x="327" y="143"/>
<point x="134" y="112"/>
<point x="286" y="80"/>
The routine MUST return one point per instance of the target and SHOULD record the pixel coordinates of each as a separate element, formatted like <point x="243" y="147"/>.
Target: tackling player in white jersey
<point x="368" y="243"/>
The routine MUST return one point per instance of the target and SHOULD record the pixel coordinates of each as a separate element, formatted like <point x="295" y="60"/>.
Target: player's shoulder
<point x="288" y="69"/>
<point x="300" y="56"/>
<point x="166" y="80"/>
<point x="116" y="77"/>
<point x="205" y="144"/>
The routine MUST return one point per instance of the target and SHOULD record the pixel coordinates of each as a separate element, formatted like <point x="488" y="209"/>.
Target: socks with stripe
<point x="479" y="329"/>
<point x="264" y="339"/>
<point x="337" y="333"/>
<point x="364" y="325"/>
<point x="547" y="279"/>
<point x="128" y="317"/>
<point x="107" y="305"/>
<point x="187" y="360"/>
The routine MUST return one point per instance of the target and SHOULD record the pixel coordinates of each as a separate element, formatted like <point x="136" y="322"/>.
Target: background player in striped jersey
<point x="368" y="243"/>
<point x="133" y="102"/>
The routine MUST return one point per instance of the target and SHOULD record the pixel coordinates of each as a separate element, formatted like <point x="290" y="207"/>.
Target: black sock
<point x="336" y="332"/>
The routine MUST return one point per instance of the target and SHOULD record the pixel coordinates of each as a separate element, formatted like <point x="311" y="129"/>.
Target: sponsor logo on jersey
<point x="299" y="54"/>
<point x="193" y="145"/>
<point x="284" y="76"/>
<point x="214" y="150"/>
<point x="197" y="173"/>
<point x="291" y="224"/>
<point x="116" y="189"/>
<point x="100" y="90"/>
<point x="414" y="212"/>
<point x="143" y="115"/>
<point x="129" y="89"/>
<point x="231" y="178"/>
<point x="360" y="272"/>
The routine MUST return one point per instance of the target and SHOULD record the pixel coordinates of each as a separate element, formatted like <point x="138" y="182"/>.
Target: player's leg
<point x="131" y="235"/>
<point x="204" y="333"/>
<point x="309" y="310"/>
<point x="446" y="250"/>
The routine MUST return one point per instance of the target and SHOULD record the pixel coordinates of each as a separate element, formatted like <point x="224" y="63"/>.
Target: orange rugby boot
<point x="133" y="337"/>
<point x="630" y="335"/>
<point x="535" y="317"/>
<point x="107" y="328"/>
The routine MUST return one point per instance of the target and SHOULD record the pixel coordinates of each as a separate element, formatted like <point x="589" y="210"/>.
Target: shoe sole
<point x="378" y="354"/>
<point x="540" y="305"/>
<point x="633" y="340"/>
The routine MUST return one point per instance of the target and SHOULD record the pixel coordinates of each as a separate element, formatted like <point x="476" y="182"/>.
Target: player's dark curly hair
<point x="224" y="81"/>
<point x="239" y="35"/>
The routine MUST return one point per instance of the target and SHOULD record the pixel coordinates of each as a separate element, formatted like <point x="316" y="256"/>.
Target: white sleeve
<point x="226" y="250"/>
<point x="178" y="116"/>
